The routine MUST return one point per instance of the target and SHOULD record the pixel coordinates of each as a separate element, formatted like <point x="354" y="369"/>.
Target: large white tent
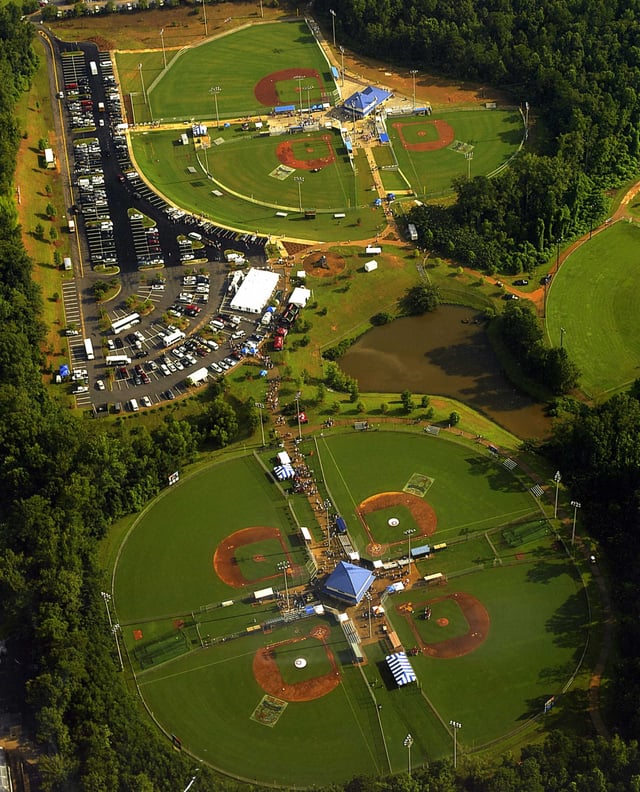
<point x="255" y="291"/>
<point x="401" y="668"/>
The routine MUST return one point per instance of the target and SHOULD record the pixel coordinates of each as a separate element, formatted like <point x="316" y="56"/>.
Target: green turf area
<point x="384" y="533"/>
<point x="594" y="297"/>
<point x="192" y="640"/>
<point x="258" y="561"/>
<point x="166" y="568"/>
<point x="538" y="628"/>
<point x="471" y="492"/>
<point x="234" y="63"/>
<point x="494" y="135"/>
<point x="241" y="168"/>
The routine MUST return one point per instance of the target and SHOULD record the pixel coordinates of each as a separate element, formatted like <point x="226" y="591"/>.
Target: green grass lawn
<point x="494" y="135"/>
<point x="234" y="63"/>
<point x="165" y="567"/>
<point x="384" y="533"/>
<point x="594" y="299"/>
<point x="240" y="168"/>
<point x="168" y="599"/>
<point x="470" y="493"/>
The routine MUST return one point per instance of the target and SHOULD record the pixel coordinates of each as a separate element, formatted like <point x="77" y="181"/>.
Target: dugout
<point x="421" y="551"/>
<point x="437" y="577"/>
<point x="284" y="109"/>
<point x="341" y="525"/>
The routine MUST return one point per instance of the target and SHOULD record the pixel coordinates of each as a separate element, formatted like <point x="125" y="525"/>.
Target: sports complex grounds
<point x="242" y="657"/>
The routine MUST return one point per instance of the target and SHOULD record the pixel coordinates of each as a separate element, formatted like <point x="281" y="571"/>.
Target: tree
<point x="407" y="401"/>
<point x="50" y="211"/>
<point x="420" y="299"/>
<point x="454" y="418"/>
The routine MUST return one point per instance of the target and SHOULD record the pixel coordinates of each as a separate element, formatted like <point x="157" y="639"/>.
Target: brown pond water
<point x="445" y="353"/>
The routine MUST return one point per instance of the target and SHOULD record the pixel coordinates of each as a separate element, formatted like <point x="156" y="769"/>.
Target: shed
<point x="373" y="250"/>
<point x="49" y="158"/>
<point x="370" y="266"/>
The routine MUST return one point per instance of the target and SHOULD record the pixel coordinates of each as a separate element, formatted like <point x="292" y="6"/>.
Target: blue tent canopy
<point x="348" y="582"/>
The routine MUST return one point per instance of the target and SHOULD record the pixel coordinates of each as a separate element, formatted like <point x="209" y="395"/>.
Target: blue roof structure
<point x="348" y="582"/>
<point x="364" y="102"/>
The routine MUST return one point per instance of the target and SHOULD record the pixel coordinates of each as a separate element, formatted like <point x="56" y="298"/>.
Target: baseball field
<point x="266" y="177"/>
<point x="201" y="581"/>
<point x="593" y="298"/>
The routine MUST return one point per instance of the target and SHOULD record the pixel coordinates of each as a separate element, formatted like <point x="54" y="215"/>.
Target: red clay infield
<point x="421" y="511"/>
<point x="268" y="676"/>
<point x="477" y="618"/>
<point x="224" y="561"/>
<point x="266" y="91"/>
<point x="445" y="135"/>
<point x="286" y="155"/>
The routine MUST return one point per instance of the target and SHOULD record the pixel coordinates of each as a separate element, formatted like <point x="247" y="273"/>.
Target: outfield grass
<point x="494" y="134"/>
<point x="168" y="600"/>
<point x="594" y="297"/>
<point x="471" y="492"/>
<point x="240" y="168"/>
<point x="538" y="630"/>
<point x="234" y="63"/>
<point x="165" y="567"/>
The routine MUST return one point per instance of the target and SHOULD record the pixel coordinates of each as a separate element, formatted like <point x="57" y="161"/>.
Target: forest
<point x="65" y="482"/>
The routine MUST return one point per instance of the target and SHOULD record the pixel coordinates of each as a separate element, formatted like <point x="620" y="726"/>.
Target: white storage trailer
<point x="198" y="376"/>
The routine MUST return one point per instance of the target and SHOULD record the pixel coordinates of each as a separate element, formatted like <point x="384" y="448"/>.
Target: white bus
<point x="117" y="360"/>
<point x="88" y="348"/>
<point x="125" y="323"/>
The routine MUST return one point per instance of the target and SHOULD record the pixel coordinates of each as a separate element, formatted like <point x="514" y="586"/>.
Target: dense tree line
<point x="577" y="67"/>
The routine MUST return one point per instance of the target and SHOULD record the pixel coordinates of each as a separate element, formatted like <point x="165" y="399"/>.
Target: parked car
<point x="146" y="401"/>
<point x="100" y="385"/>
<point x="521" y="282"/>
<point x="506" y="297"/>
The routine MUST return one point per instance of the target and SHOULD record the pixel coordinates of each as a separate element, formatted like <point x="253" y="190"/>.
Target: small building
<point x="184" y="139"/>
<point x="49" y="158"/>
<point x="373" y="250"/>
<point x="348" y="583"/>
<point x="370" y="266"/>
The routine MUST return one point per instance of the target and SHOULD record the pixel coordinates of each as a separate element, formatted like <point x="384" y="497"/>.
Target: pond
<point x="445" y="353"/>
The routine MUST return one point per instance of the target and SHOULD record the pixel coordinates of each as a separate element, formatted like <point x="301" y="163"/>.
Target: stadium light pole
<point x="215" y="91"/>
<point x="308" y="89"/>
<point x="413" y="77"/>
<point x="204" y="9"/>
<point x="342" y="63"/>
<point x="408" y="742"/>
<point x="298" y="394"/>
<point x="455" y="726"/>
<point x="557" y="478"/>
<point x="261" y="10"/>
<point x="299" y="78"/>
<point x="164" y="52"/>
<point x="260" y="407"/>
<point x="283" y="566"/>
<point x="576" y="505"/>
<point x="299" y="180"/>
<point x="144" y="92"/>
<point x="562" y="332"/>
<point x="408" y="533"/>
<point x="333" y="22"/>
<point x="468" y="156"/>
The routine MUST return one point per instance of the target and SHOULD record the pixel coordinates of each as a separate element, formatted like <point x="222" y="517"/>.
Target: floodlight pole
<point x="144" y="92"/>
<point x="455" y="726"/>
<point x="283" y="566"/>
<point x="408" y="742"/>
<point x="299" y="78"/>
<point x="299" y="181"/>
<point x="215" y="91"/>
<point x="308" y="89"/>
<point x="342" y="57"/>
<point x="468" y="156"/>
<point x="204" y="9"/>
<point x="164" y="52"/>
<point x="333" y="22"/>
<point x="557" y="478"/>
<point x="368" y="598"/>
<point x="576" y="505"/>
<point x="562" y="332"/>
<point x="298" y="395"/>
<point x="261" y="10"/>
<point x="413" y="76"/>
<point x="260" y="407"/>
<point x="408" y="534"/>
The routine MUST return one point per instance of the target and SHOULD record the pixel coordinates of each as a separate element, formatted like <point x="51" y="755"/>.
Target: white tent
<point x="284" y="458"/>
<point x="371" y="265"/>
<point x="300" y="296"/>
<point x="255" y="292"/>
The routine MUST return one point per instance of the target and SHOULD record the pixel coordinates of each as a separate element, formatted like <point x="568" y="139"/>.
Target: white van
<point x="194" y="235"/>
<point x="133" y="405"/>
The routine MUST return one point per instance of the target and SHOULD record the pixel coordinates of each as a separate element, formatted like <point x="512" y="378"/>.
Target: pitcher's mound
<point x="323" y="265"/>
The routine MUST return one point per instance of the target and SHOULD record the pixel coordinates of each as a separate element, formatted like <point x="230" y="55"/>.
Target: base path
<point x="269" y="677"/>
